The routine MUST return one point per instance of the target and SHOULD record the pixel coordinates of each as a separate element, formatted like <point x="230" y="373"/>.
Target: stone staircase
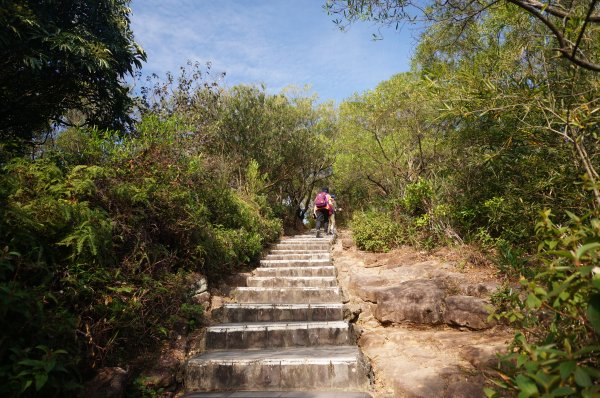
<point x="285" y="335"/>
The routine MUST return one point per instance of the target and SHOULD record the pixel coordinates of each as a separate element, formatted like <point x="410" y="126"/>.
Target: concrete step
<point x="308" y="239"/>
<point x="295" y="271"/>
<point x="300" y="256"/>
<point x="291" y="281"/>
<point x="303" y="246"/>
<point x="308" y="235"/>
<point x="295" y="263"/>
<point x="235" y="312"/>
<point x="299" y="368"/>
<point x="277" y="334"/>
<point x="316" y="241"/>
<point x="298" y="251"/>
<point x="287" y="295"/>
<point x="280" y="394"/>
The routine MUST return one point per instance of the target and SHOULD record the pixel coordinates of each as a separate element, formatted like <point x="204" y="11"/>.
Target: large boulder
<point x="419" y="301"/>
<point x="467" y="311"/>
<point x="366" y="286"/>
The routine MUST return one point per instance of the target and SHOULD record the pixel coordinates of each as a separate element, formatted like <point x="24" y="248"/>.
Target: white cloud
<point x="278" y="43"/>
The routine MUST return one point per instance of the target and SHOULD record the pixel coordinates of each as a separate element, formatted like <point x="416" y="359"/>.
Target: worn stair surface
<point x="285" y="335"/>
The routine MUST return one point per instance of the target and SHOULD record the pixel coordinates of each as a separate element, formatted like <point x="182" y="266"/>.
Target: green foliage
<point x="103" y="240"/>
<point x="384" y="141"/>
<point x="374" y="231"/>
<point x="417" y="197"/>
<point x="64" y="63"/>
<point x="140" y="389"/>
<point x="285" y="137"/>
<point x="558" y="353"/>
<point x="570" y="28"/>
<point x="504" y="129"/>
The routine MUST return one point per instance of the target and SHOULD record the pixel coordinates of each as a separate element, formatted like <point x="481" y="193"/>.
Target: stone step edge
<point x="304" y="242"/>
<point x="286" y="325"/>
<point x="297" y="260"/>
<point x="308" y="278"/>
<point x="305" y="267"/>
<point x="279" y="394"/>
<point x="282" y="306"/>
<point x="291" y="271"/>
<point x="270" y="289"/>
<point x="299" y="251"/>
<point x="321" y="352"/>
<point x="299" y="256"/>
<point x="309" y="240"/>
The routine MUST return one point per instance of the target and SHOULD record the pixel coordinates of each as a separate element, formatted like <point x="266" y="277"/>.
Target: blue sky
<point x="274" y="42"/>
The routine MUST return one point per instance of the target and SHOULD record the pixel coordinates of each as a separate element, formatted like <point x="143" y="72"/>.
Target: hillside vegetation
<point x="104" y="232"/>
<point x="113" y="203"/>
<point x="492" y="140"/>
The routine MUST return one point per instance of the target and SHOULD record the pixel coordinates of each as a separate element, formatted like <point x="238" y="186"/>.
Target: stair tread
<point x="300" y="251"/>
<point x="288" y="288"/>
<point x="280" y="394"/>
<point x="280" y="325"/>
<point x="296" y="260"/>
<point x="282" y="306"/>
<point x="295" y="277"/>
<point x="289" y="355"/>
<point x="308" y="266"/>
<point x="292" y="322"/>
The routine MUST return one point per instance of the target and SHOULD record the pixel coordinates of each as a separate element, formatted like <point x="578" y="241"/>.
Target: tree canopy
<point x="574" y="25"/>
<point x="58" y="56"/>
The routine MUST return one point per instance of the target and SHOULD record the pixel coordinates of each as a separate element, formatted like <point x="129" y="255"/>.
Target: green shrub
<point x="374" y="231"/>
<point x="557" y="352"/>
<point x="417" y="197"/>
<point x="98" y="258"/>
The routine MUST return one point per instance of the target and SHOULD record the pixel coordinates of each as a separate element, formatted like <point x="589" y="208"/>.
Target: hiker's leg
<point x="320" y="219"/>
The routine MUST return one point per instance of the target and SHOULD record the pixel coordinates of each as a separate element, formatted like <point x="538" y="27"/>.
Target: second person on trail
<point x="332" y="210"/>
<point x="321" y="210"/>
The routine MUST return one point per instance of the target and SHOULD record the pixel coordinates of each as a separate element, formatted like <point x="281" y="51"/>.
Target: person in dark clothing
<point x="321" y="210"/>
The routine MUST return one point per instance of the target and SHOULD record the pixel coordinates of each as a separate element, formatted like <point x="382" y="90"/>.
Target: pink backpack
<point x="321" y="201"/>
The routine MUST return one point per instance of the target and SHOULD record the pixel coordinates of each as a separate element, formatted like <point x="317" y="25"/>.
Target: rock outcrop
<point x="419" y="301"/>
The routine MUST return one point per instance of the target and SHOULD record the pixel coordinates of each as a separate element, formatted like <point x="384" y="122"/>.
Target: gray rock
<point x="468" y="311"/>
<point x="366" y="286"/>
<point x="484" y="289"/>
<point x="200" y="286"/>
<point x="464" y="389"/>
<point x="419" y="301"/>
<point x="352" y="312"/>
<point x="202" y="298"/>
<point x="347" y="243"/>
<point x="108" y="383"/>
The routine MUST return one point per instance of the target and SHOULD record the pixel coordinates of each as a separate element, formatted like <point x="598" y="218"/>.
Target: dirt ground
<point x="415" y="360"/>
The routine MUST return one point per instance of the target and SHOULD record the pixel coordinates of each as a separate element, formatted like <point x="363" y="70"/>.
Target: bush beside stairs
<point x="285" y="335"/>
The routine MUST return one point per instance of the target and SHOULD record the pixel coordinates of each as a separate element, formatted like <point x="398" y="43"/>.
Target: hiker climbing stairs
<point x="285" y="334"/>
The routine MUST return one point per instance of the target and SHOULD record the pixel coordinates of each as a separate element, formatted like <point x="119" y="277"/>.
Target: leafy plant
<point x="374" y="231"/>
<point x="558" y="351"/>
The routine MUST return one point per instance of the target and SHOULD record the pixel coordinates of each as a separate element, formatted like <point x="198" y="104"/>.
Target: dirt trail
<point x="414" y="359"/>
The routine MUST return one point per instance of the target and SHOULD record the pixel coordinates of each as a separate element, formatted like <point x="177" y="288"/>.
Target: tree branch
<point x="585" y="22"/>
<point x="560" y="12"/>
<point x="564" y="49"/>
<point x="379" y="185"/>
